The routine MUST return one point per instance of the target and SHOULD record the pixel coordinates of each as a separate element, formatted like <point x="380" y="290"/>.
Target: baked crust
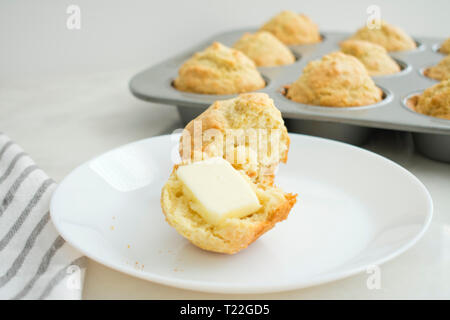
<point x="388" y="36"/>
<point x="337" y="80"/>
<point x="247" y="111"/>
<point x="292" y="28"/>
<point x="373" y="56"/>
<point x="434" y="101"/>
<point x="234" y="234"/>
<point x="219" y="70"/>
<point x="445" y="47"/>
<point x="264" y="49"/>
<point x="439" y="72"/>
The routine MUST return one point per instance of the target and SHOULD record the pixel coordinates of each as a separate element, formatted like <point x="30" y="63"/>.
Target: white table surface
<point x="65" y="121"/>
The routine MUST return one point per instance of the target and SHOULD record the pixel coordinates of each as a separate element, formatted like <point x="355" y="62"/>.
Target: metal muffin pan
<point x="352" y="125"/>
<point x="431" y="145"/>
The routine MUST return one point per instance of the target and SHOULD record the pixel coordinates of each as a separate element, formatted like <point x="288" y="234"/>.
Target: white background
<point x="122" y="33"/>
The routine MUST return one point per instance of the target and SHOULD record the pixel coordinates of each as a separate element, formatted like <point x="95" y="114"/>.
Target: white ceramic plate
<point x="355" y="209"/>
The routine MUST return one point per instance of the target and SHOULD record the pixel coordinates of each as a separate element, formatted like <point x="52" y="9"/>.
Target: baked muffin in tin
<point x="264" y="49"/>
<point x="219" y="70"/>
<point x="434" y="101"/>
<point x="439" y="72"/>
<point x="373" y="56"/>
<point x="293" y="28"/>
<point x="445" y="47"/>
<point x="386" y="35"/>
<point x="337" y="80"/>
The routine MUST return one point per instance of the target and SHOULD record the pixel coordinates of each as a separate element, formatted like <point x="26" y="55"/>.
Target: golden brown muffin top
<point x="219" y="70"/>
<point x="248" y="112"/>
<point x="337" y="80"/>
<point x="264" y="49"/>
<point x="374" y="57"/>
<point x="435" y="101"/>
<point x="293" y="28"/>
<point x="445" y="46"/>
<point x="441" y="71"/>
<point x="388" y="36"/>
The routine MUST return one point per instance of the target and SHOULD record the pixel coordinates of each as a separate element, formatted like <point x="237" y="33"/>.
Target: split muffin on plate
<point x="219" y="201"/>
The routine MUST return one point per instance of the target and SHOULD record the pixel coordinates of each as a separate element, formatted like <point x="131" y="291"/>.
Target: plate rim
<point x="224" y="288"/>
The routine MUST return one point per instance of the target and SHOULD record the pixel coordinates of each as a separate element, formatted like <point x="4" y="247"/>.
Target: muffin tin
<point x="351" y="125"/>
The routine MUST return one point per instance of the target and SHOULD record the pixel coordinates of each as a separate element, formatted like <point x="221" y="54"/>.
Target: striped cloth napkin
<point x="35" y="262"/>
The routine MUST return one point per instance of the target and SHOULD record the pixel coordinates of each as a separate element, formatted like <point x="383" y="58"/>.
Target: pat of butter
<point x="217" y="190"/>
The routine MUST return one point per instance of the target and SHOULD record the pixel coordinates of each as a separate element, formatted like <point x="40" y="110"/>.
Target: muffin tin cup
<point x="347" y="133"/>
<point x="189" y="113"/>
<point x="351" y="125"/>
<point x="433" y="146"/>
<point x="353" y="134"/>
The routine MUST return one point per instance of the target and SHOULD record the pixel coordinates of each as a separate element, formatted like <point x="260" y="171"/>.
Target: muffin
<point x="445" y="47"/>
<point x="441" y="71"/>
<point x="292" y="28"/>
<point x="388" y="36"/>
<point x="264" y="49"/>
<point x="234" y="234"/>
<point x="219" y="70"/>
<point x="373" y="56"/>
<point x="248" y="111"/>
<point x="434" y="101"/>
<point x="337" y="80"/>
<point x="186" y="213"/>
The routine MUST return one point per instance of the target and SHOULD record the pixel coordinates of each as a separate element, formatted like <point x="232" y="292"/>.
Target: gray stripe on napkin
<point x="57" y="244"/>
<point x="60" y="275"/>
<point x="12" y="191"/>
<point x="5" y="147"/>
<point x="29" y="268"/>
<point x="37" y="196"/>
<point x="17" y="264"/>
<point x="17" y="157"/>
